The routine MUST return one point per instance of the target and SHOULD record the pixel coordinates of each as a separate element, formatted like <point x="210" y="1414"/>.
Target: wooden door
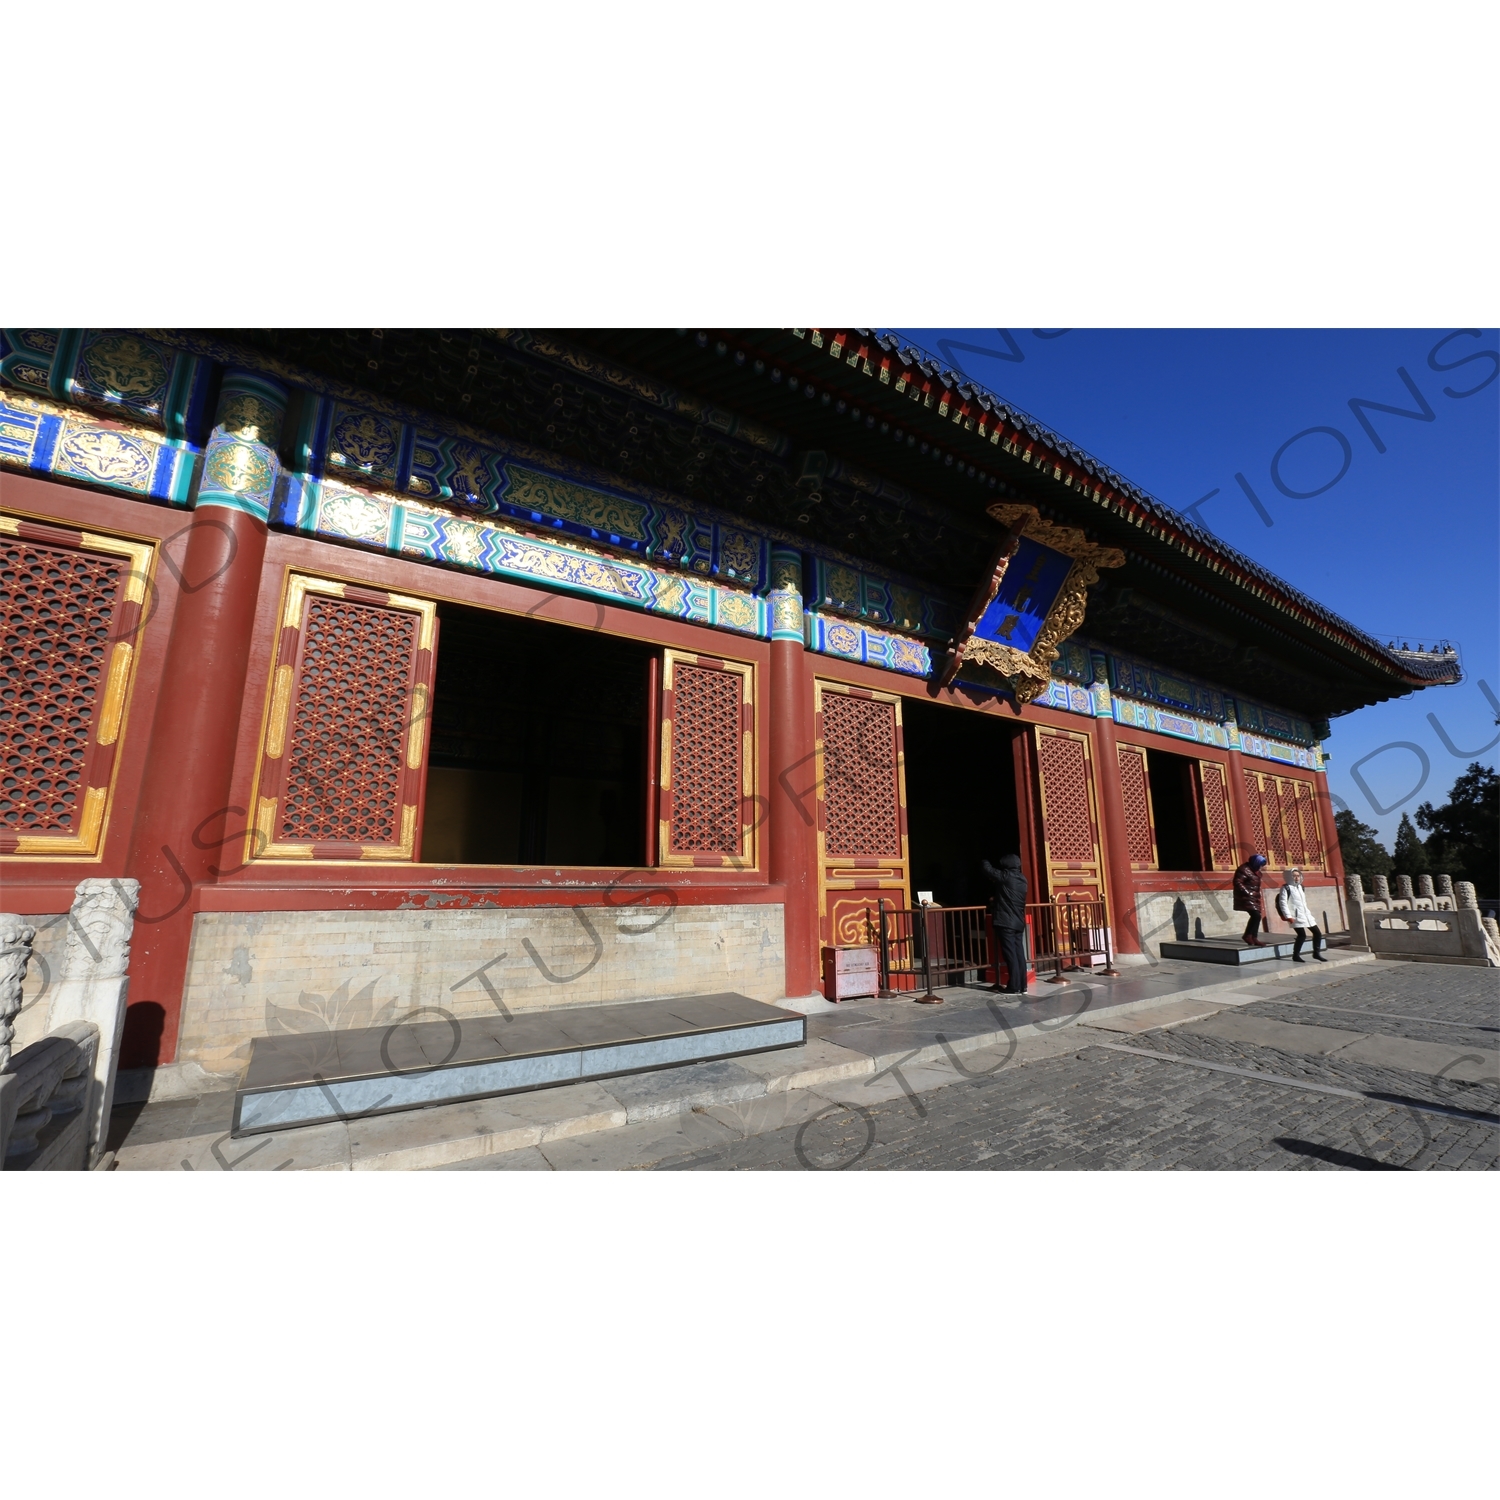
<point x="1140" y="825"/>
<point x="861" y="800"/>
<point x="1070" y="817"/>
<point x="1218" y="819"/>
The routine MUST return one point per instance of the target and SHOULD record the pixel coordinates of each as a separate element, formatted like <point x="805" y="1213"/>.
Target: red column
<point x="1127" y="933"/>
<point x="792" y="837"/>
<point x="182" y="812"/>
<point x="1248" y="837"/>
<point x="1333" y="856"/>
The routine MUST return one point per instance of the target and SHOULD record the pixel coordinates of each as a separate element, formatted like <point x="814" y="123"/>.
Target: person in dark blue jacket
<point x="1008" y="912"/>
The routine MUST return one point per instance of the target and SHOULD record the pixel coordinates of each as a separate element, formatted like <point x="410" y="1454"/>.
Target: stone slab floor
<point x="1389" y="1068"/>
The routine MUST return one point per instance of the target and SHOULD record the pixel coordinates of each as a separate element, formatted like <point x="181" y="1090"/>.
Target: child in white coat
<point x="1291" y="907"/>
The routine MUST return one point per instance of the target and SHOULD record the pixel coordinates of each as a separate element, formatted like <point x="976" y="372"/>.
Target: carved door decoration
<point x="707" y="807"/>
<point x="1218" y="823"/>
<point x="1070" y="816"/>
<point x="1284" y="812"/>
<point x="1140" y="829"/>
<point x="70" y="621"/>
<point x="343" y="757"/>
<point x="861" y="804"/>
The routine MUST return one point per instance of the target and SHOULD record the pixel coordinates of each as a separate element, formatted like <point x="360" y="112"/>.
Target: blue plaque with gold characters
<point x="1031" y="599"/>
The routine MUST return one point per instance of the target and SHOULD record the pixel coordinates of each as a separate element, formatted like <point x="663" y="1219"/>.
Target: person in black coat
<point x="1247" y="896"/>
<point x="1008" y="912"/>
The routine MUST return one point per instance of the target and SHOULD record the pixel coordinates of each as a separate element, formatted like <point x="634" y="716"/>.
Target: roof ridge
<point x="1015" y="416"/>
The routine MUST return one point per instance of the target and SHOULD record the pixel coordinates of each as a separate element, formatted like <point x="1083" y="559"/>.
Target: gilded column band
<point x="787" y="622"/>
<point x="240" y="465"/>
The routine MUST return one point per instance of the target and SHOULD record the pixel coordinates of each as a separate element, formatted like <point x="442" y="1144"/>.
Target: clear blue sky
<point x="1406" y="543"/>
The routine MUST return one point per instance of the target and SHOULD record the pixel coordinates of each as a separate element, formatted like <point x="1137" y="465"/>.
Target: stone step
<point x="335" y="1075"/>
<point x="1236" y="951"/>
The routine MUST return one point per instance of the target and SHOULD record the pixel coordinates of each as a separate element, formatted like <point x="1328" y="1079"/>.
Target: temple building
<point x="457" y="671"/>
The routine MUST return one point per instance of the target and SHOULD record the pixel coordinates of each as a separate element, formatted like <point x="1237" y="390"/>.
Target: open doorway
<point x="1176" y="810"/>
<point x="538" y="744"/>
<point x="960" y="799"/>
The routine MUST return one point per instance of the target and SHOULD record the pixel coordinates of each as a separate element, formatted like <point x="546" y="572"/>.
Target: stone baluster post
<point x="1424" y="887"/>
<point x="1403" y="888"/>
<point x="1356" y="891"/>
<point x="1468" y="897"/>
<point x="93" y="984"/>
<point x="1380" y="889"/>
<point x="1445" y="888"/>
<point x="16" y="936"/>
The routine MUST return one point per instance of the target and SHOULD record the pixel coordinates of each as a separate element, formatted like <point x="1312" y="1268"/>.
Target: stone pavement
<point x="1202" y="1093"/>
<point x="859" y="1058"/>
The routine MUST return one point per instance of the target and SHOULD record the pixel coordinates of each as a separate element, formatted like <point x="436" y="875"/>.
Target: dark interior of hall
<point x="538" y="744"/>
<point x="960" y="799"/>
<point x="1175" y="804"/>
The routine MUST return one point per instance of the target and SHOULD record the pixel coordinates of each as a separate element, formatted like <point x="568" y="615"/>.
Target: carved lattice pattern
<point x="56" y="605"/>
<point x="1255" y="835"/>
<point x="1137" y="805"/>
<point x="1216" y="814"/>
<point x="1307" y="806"/>
<point x="1291" y="823"/>
<point x="707" y="770"/>
<point x="1276" y="838"/>
<point x="343" y="777"/>
<point x="861" y="784"/>
<point x="1066" y="822"/>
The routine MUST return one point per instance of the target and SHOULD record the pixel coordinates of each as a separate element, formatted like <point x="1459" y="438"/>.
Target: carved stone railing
<point x="44" y="1121"/>
<point x="55" y="1095"/>
<point x="16" y="938"/>
<point x="1439" y="921"/>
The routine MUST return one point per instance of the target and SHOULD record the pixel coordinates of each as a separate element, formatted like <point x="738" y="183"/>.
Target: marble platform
<point x="313" y="1078"/>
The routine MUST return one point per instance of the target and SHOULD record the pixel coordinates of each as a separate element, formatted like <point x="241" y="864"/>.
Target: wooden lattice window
<point x="1312" y="839"/>
<point x="861" y="777"/>
<point x="1217" y="822"/>
<point x="70" y="621"/>
<point x="707" y="761"/>
<point x="1291" y="824"/>
<point x="342" y="767"/>
<point x="1066" y="812"/>
<point x="1284" y="812"/>
<point x="1140" y="834"/>
<point x="1255" y="835"/>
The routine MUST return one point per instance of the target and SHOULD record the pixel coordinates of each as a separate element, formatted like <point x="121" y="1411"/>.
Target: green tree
<point x="1464" y="834"/>
<point x="1409" y="857"/>
<point x="1362" y="851"/>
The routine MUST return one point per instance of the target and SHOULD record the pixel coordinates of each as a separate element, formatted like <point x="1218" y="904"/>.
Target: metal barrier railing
<point x="922" y="946"/>
<point x="1070" y="934"/>
<point x="931" y="943"/>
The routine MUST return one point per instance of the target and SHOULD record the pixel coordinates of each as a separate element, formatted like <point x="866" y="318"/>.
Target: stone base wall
<point x="268" y="973"/>
<point x="1179" y="916"/>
